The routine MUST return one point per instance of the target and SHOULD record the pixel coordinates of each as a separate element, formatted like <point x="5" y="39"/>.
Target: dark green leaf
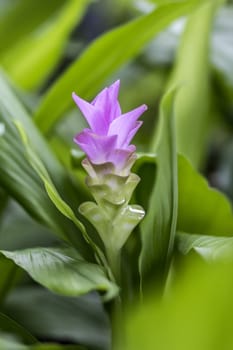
<point x="21" y="181"/>
<point x="9" y="325"/>
<point x="145" y="167"/>
<point x="7" y="341"/>
<point x="9" y="272"/>
<point x="49" y="316"/>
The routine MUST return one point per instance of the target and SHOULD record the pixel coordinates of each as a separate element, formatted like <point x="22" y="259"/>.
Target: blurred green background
<point x="47" y="50"/>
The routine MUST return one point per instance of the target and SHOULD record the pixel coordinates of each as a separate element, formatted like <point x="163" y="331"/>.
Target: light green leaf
<point x="202" y="209"/>
<point x="2" y="129"/>
<point x="196" y="313"/>
<point x="159" y="227"/>
<point x="62" y="271"/>
<point x="39" y="52"/>
<point x="192" y="69"/>
<point x="211" y="248"/>
<point x="28" y="15"/>
<point x="102" y="58"/>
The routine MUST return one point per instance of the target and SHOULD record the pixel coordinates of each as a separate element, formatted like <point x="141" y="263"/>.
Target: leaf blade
<point x="87" y="77"/>
<point x="159" y="227"/>
<point x="39" y="52"/>
<point x="62" y="271"/>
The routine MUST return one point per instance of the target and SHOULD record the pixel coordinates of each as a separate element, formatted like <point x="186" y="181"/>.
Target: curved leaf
<point x="39" y="52"/>
<point x="159" y="227"/>
<point x="35" y="12"/>
<point x="21" y="181"/>
<point x="192" y="68"/>
<point x="102" y="58"/>
<point x="211" y="248"/>
<point x="202" y="209"/>
<point x="63" y="271"/>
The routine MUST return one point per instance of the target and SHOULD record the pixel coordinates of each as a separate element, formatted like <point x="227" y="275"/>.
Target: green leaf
<point x="193" y="68"/>
<point x="52" y="192"/>
<point x="102" y="58"/>
<point x="9" y="273"/>
<point x="39" y="52"/>
<point x="211" y="248"/>
<point x="202" y="209"/>
<point x="7" y="341"/>
<point x="63" y="271"/>
<point x="21" y="181"/>
<point x="27" y="15"/>
<point x="159" y="227"/>
<point x="19" y="231"/>
<point x="145" y="167"/>
<point x="9" y="325"/>
<point x="81" y="320"/>
<point x="196" y="313"/>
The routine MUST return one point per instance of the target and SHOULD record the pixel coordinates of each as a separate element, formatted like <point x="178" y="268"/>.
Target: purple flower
<point x="110" y="133"/>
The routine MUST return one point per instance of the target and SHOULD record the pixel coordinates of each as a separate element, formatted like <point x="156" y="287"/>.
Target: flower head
<point x="110" y="133"/>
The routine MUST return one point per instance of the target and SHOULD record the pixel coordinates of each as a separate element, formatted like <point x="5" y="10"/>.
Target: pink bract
<point x="110" y="133"/>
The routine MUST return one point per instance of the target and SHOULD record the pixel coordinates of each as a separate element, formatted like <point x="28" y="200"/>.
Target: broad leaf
<point x="202" y="209"/>
<point x="159" y="227"/>
<point x="49" y="316"/>
<point x="63" y="271"/>
<point x="102" y="58"/>
<point x="196" y="313"/>
<point x="211" y="248"/>
<point x="52" y="192"/>
<point x="21" y="181"/>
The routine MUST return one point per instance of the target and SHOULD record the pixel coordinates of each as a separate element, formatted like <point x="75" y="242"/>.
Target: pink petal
<point x="107" y="102"/>
<point x="124" y="125"/>
<point x="131" y="134"/>
<point x="113" y="92"/>
<point x="94" y="116"/>
<point x="101" y="99"/>
<point x="95" y="146"/>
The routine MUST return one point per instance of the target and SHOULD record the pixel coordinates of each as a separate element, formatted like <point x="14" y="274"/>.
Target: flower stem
<point x="117" y="324"/>
<point x="116" y="311"/>
<point x="114" y="260"/>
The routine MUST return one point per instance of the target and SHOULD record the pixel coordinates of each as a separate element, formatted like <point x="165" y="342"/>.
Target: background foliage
<point x="55" y="287"/>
